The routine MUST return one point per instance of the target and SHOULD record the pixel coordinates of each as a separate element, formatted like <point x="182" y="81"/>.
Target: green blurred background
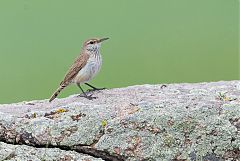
<point x="151" y="41"/>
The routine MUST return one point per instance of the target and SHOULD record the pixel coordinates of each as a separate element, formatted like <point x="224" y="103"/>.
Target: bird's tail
<point x="56" y="93"/>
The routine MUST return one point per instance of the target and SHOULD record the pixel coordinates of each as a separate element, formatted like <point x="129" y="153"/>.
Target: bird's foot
<point x="90" y="97"/>
<point x="95" y="89"/>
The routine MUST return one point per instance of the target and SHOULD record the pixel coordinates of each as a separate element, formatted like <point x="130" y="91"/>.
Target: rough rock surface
<point x="25" y="153"/>
<point x="145" y="122"/>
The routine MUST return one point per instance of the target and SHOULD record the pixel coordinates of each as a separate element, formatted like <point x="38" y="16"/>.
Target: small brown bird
<point x="84" y="68"/>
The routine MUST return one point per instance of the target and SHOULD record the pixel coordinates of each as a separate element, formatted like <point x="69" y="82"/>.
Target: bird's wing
<point x="78" y="64"/>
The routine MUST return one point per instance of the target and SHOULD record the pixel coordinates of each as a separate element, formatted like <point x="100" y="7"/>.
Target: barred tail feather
<point x="56" y="93"/>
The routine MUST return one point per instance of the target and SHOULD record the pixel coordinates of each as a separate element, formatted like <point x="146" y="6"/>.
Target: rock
<point x="198" y="121"/>
<point x="9" y="152"/>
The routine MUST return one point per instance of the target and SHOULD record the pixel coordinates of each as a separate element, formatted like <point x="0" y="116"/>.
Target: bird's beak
<point x="103" y="39"/>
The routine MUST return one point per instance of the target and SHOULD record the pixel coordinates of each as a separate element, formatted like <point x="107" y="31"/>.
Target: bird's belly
<point x="89" y="71"/>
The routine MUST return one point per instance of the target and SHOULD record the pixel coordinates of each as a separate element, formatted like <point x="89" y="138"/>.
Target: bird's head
<point x="93" y="44"/>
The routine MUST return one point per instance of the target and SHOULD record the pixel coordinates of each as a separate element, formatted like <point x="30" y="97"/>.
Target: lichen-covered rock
<point x="145" y="122"/>
<point x="10" y="152"/>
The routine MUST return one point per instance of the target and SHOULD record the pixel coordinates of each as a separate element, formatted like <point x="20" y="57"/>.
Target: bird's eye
<point x="91" y="42"/>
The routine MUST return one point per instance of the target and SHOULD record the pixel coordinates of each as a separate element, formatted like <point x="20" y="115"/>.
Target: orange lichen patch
<point x="61" y="110"/>
<point x="55" y="114"/>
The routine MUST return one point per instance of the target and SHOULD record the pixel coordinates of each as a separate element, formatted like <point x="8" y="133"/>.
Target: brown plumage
<point x="78" y="64"/>
<point x="88" y="54"/>
<point x="56" y="93"/>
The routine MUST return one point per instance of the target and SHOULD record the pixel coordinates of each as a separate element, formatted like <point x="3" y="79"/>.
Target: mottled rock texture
<point x="10" y="152"/>
<point x="194" y="122"/>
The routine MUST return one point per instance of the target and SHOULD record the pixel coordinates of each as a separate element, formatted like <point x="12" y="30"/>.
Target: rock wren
<point x="84" y="68"/>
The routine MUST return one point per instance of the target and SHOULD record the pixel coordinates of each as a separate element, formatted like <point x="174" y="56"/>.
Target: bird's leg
<point x="81" y="89"/>
<point x="94" y="88"/>
<point x="85" y="95"/>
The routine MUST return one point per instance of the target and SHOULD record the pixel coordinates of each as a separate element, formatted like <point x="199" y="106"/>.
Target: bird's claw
<point x="90" y="97"/>
<point x="95" y="89"/>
